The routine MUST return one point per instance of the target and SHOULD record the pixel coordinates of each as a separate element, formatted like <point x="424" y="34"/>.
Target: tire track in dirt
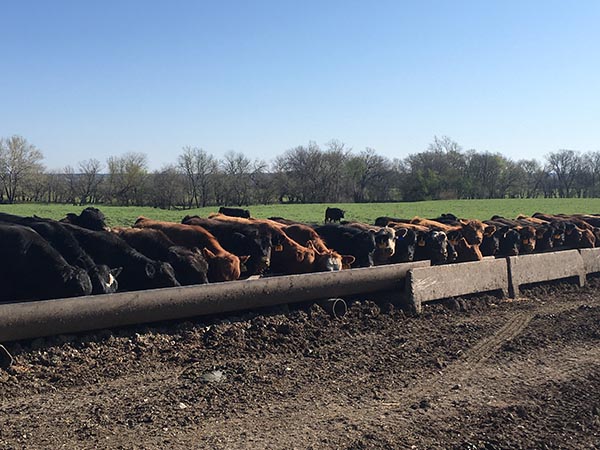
<point x="396" y="405"/>
<point x="461" y="370"/>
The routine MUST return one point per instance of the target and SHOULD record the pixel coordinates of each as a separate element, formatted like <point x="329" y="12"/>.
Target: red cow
<point x="222" y="265"/>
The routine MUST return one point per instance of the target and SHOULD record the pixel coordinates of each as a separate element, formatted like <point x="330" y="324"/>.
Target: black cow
<point x="189" y="264"/>
<point x="500" y="239"/>
<point x="104" y="279"/>
<point x="90" y="218"/>
<point x="139" y="271"/>
<point x="234" y="212"/>
<point x="406" y="243"/>
<point x="448" y="219"/>
<point x="334" y="214"/>
<point x="255" y="240"/>
<point x="383" y="221"/>
<point x="350" y="241"/>
<point x="433" y="245"/>
<point x="31" y="269"/>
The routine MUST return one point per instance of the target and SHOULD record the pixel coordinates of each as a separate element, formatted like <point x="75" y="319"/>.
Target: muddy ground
<point x="478" y="373"/>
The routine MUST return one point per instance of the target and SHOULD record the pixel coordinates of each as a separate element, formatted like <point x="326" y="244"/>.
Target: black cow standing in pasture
<point x="31" y="269"/>
<point x="103" y="278"/>
<point x="234" y="212"/>
<point x="189" y="264"/>
<point x="90" y="218"/>
<point x="334" y="214"/>
<point x="139" y="271"/>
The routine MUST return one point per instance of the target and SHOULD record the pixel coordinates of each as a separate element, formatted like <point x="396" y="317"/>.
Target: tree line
<point x="304" y="174"/>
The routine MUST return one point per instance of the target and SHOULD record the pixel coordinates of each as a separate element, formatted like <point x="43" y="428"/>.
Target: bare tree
<point x="199" y="168"/>
<point x="167" y="187"/>
<point x="237" y="169"/>
<point x="366" y="172"/>
<point x="565" y="165"/>
<point x="89" y="181"/>
<point x="126" y="177"/>
<point x="70" y="185"/>
<point x="19" y="160"/>
<point x="262" y="182"/>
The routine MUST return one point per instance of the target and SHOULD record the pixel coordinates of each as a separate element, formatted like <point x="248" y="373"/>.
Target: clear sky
<point x="82" y="79"/>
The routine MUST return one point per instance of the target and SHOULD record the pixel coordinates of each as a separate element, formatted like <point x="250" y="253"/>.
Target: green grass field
<point x="365" y="212"/>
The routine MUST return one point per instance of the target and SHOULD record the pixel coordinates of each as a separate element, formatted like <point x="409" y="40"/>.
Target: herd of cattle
<point x="79" y="255"/>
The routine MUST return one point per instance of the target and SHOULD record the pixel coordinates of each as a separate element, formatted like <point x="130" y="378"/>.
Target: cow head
<point x="190" y="265"/>
<point x="385" y="240"/>
<point x="558" y="233"/>
<point x="224" y="267"/>
<point x="258" y="246"/>
<point x="472" y="231"/>
<point x="528" y="236"/>
<point x="104" y="279"/>
<point x="160" y="274"/>
<point x="510" y="241"/>
<point x="76" y="282"/>
<point x="325" y="261"/>
<point x="364" y="242"/>
<point x="406" y="242"/>
<point x="434" y="245"/>
<point x="491" y="241"/>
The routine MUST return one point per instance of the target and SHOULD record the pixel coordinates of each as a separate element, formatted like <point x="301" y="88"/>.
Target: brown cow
<point x="222" y="265"/>
<point x="326" y="259"/>
<point x="578" y="232"/>
<point x="290" y="256"/>
<point x="287" y="256"/>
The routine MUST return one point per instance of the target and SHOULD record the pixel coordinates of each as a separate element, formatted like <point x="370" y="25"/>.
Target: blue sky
<point x="97" y="79"/>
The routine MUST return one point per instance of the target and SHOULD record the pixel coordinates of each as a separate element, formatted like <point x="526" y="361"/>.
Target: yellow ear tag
<point x="279" y="248"/>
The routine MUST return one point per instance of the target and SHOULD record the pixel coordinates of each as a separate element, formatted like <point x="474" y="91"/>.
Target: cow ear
<point x="116" y="271"/>
<point x="208" y="254"/>
<point x="463" y="221"/>
<point x="489" y="230"/>
<point x="150" y="270"/>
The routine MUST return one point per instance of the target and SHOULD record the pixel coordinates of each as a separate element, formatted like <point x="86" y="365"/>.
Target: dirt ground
<point x="478" y="373"/>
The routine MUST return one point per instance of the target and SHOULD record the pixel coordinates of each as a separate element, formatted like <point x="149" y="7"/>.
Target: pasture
<point x="363" y="212"/>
